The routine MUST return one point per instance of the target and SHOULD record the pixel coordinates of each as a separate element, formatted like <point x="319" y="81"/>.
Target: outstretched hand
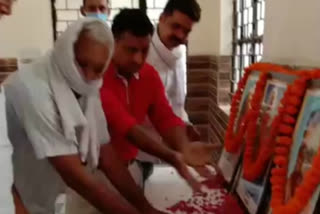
<point x="182" y="168"/>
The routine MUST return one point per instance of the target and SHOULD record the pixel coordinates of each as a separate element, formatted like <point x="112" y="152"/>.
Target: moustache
<point x="177" y="40"/>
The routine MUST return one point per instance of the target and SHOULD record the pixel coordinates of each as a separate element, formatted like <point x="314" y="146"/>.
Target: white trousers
<point x="75" y="204"/>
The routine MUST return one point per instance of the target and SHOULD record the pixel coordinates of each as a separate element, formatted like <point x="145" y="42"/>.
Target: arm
<point x="176" y="138"/>
<point x="121" y="121"/>
<point x="161" y="114"/>
<point x="173" y="130"/>
<point x="74" y="174"/>
<point x="145" y="141"/>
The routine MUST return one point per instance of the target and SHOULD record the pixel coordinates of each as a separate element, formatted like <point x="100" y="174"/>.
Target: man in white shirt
<point x="168" y="55"/>
<point x="168" y="50"/>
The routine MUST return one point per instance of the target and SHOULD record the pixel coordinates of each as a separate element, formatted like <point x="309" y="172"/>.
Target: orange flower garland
<point x="254" y="165"/>
<point x="232" y="140"/>
<point x="284" y="141"/>
<point x="281" y="136"/>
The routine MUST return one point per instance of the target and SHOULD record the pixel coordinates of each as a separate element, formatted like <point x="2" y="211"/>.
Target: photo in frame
<point x="251" y="192"/>
<point x="228" y="163"/>
<point x="306" y="142"/>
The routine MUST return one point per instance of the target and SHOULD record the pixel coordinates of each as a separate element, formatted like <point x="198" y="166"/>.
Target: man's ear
<point x="82" y="11"/>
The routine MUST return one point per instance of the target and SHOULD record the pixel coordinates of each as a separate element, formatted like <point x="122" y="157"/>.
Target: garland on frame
<point x="304" y="192"/>
<point x="280" y="140"/>
<point x="234" y="138"/>
<point x="255" y="165"/>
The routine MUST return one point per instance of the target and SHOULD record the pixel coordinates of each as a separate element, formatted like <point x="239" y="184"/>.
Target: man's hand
<point x="193" y="133"/>
<point x="78" y="178"/>
<point x="199" y="154"/>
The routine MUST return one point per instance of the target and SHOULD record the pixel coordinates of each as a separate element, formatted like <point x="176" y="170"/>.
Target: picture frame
<point x="252" y="193"/>
<point x="306" y="141"/>
<point x="229" y="163"/>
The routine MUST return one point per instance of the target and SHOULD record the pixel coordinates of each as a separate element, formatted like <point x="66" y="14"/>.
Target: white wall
<point x="226" y="23"/>
<point x="213" y="34"/>
<point x="205" y="38"/>
<point x="30" y="27"/>
<point x="292" y="32"/>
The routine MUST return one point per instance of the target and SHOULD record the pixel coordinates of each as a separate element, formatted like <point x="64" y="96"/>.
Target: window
<point x="67" y="11"/>
<point x="248" y="29"/>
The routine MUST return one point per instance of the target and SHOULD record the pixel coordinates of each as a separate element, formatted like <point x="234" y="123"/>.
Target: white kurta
<point x="45" y="119"/>
<point x="35" y="131"/>
<point x="172" y="68"/>
<point x="6" y="175"/>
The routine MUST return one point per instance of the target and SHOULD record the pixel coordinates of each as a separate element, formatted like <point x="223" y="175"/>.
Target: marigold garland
<point x="282" y="129"/>
<point x="252" y="169"/>
<point x="253" y="166"/>
<point x="311" y="180"/>
<point x="233" y="141"/>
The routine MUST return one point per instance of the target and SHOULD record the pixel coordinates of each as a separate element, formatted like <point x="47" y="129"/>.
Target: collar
<point x="135" y="75"/>
<point x="113" y="70"/>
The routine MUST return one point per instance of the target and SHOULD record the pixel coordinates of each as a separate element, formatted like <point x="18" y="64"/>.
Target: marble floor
<point x="165" y="187"/>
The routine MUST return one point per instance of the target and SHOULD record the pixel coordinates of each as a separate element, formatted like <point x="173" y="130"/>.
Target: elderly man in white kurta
<point x="58" y="128"/>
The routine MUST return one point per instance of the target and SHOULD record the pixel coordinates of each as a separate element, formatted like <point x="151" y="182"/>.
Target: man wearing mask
<point x="96" y="9"/>
<point x="10" y="202"/>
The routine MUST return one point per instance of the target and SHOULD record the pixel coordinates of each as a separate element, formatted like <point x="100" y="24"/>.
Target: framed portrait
<point x="252" y="193"/>
<point x="228" y="163"/>
<point x="305" y="146"/>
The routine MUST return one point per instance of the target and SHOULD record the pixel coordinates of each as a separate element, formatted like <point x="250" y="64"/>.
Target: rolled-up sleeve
<point x="32" y="114"/>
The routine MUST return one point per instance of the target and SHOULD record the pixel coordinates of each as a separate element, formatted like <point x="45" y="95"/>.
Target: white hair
<point x="99" y="31"/>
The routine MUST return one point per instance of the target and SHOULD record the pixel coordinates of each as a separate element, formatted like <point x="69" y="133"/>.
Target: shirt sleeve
<point x="35" y="112"/>
<point x="160" y="112"/>
<point x="119" y="120"/>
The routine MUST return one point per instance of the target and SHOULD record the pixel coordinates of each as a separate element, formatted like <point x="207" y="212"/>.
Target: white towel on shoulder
<point x="65" y="80"/>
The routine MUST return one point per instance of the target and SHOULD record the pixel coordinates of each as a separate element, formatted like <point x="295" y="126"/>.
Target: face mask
<point x="101" y="16"/>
